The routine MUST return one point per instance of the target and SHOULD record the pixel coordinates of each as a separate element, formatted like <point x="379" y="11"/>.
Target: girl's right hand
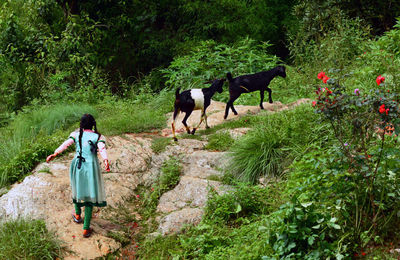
<point x="106" y="165"/>
<point x="51" y="157"/>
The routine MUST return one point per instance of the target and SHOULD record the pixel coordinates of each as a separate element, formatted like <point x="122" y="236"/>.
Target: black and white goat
<point x="249" y="83"/>
<point x="194" y="99"/>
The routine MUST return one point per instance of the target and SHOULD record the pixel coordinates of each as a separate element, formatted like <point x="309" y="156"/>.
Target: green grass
<point x="272" y="145"/>
<point x="26" y="126"/>
<point x="158" y="145"/>
<point x="221" y="141"/>
<point x="123" y="117"/>
<point x="33" y="135"/>
<point x="28" y="239"/>
<point x="171" y="171"/>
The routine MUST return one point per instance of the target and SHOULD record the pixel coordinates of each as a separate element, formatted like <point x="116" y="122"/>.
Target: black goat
<point x="194" y="99"/>
<point x="249" y="83"/>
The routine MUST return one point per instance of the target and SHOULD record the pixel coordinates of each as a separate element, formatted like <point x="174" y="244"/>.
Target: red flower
<point x="387" y="111"/>
<point x="363" y="253"/>
<point x="325" y="79"/>
<point x="137" y="196"/>
<point x="314" y="103"/>
<point x="321" y="75"/>
<point x="328" y="90"/>
<point x="379" y="80"/>
<point x="382" y="109"/>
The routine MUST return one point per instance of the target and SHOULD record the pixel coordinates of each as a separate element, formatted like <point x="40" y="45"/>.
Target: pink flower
<point x="314" y="103"/>
<point x="325" y="79"/>
<point x="137" y="196"/>
<point x="357" y="91"/>
<point x="379" y="80"/>
<point x="321" y="75"/>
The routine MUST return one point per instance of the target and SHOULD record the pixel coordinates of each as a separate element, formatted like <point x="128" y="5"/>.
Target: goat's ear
<point x="208" y="82"/>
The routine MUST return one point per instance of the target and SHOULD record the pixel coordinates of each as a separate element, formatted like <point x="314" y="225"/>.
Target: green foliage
<point x="303" y="231"/>
<point x="328" y="37"/>
<point x="28" y="239"/>
<point x="274" y="143"/>
<point x="221" y="141"/>
<point x="211" y="60"/>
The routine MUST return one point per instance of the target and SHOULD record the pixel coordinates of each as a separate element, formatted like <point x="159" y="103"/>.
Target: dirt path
<point x="46" y="193"/>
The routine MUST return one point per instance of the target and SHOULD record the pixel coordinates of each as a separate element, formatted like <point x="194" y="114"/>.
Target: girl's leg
<point x="88" y="217"/>
<point x="77" y="216"/>
<point x="78" y="210"/>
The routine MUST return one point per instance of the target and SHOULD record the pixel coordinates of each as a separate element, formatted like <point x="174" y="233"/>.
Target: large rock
<point x="173" y="223"/>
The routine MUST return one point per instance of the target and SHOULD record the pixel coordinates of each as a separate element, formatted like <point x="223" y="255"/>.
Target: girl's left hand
<point x="51" y="157"/>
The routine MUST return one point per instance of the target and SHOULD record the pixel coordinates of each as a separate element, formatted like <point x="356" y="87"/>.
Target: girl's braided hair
<point x="87" y="122"/>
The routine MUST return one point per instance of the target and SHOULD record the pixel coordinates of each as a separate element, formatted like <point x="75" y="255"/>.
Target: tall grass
<point x="43" y="121"/>
<point x="34" y="134"/>
<point x="275" y="143"/>
<point x="28" y="239"/>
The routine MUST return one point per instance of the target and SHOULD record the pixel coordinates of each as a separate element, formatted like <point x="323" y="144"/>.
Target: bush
<point x="303" y="231"/>
<point x="28" y="239"/>
<point x="364" y="154"/>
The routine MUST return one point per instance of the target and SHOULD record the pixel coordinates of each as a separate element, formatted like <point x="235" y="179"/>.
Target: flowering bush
<point x="363" y="125"/>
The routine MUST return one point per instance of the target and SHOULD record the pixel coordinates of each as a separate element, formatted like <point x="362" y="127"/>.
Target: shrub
<point x="363" y="124"/>
<point x="302" y="231"/>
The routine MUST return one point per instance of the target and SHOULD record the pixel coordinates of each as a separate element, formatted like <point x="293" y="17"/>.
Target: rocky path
<point x="46" y="193"/>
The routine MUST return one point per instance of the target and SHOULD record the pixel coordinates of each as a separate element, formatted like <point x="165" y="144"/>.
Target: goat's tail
<point x="229" y="76"/>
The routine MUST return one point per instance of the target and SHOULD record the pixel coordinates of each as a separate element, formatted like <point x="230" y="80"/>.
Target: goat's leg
<point x="269" y="97"/>
<point x="262" y="98"/>
<point x="230" y="105"/>
<point x="201" y="120"/>
<point x="176" y="112"/>
<point x="205" y="118"/>
<point x="184" y="121"/>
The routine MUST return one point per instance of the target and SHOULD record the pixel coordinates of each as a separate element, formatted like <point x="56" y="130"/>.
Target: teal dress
<point x="87" y="182"/>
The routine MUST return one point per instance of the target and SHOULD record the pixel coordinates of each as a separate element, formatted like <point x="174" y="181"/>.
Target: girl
<point x="86" y="180"/>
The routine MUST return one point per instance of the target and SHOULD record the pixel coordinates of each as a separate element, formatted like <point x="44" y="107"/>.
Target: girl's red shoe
<point x="87" y="232"/>
<point x="77" y="218"/>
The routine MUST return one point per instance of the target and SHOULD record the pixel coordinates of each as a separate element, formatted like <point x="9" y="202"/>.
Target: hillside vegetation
<point x="333" y="166"/>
